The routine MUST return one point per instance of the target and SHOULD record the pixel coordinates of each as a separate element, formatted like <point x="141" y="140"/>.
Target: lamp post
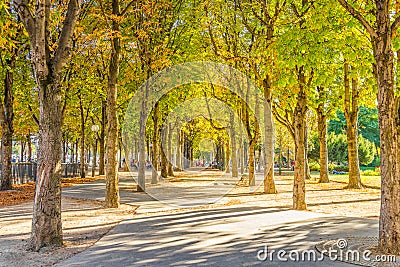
<point x="95" y="129"/>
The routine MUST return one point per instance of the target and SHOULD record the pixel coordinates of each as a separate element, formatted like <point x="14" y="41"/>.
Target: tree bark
<point x="102" y="139"/>
<point x="164" y="172"/>
<point x="112" y="191"/>
<point x="227" y="158"/>
<point x="233" y="145"/>
<point x="94" y="164"/>
<point x="82" y="156"/>
<point x="351" y="115"/>
<point x="155" y="145"/>
<point x="389" y="118"/>
<point x="241" y="152"/>
<point x="269" y="149"/>
<point x="299" y="189"/>
<point x="169" y="151"/>
<point x="308" y="172"/>
<point x="323" y="146"/>
<point x="28" y="137"/>
<point x="257" y="115"/>
<point x="178" y="148"/>
<point x="7" y="118"/>
<point x="46" y="221"/>
<point x="252" y="178"/>
<point x="22" y="152"/>
<point x="76" y="150"/>
<point x="141" y="187"/>
<point x="388" y="112"/>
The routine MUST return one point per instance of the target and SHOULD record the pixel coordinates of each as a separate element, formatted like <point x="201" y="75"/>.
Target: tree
<point x="232" y="130"/>
<point x="265" y="15"/>
<point x="351" y="97"/>
<point x="48" y="65"/>
<point x="367" y="124"/>
<point x="296" y="58"/>
<point x="112" y="192"/>
<point x="323" y="110"/>
<point x="114" y="20"/>
<point x="366" y="151"/>
<point x="382" y="32"/>
<point x="10" y="50"/>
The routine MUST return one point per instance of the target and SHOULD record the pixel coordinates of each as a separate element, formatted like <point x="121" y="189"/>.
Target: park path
<point x="217" y="236"/>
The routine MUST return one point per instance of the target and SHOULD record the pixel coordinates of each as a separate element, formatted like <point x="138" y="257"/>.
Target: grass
<point x="374" y="181"/>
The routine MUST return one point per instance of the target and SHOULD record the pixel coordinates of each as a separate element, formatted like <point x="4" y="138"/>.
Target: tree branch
<point x="26" y="16"/>
<point x="357" y="15"/>
<point x="66" y="34"/>
<point x="127" y="8"/>
<point x="33" y="115"/>
<point x="395" y="25"/>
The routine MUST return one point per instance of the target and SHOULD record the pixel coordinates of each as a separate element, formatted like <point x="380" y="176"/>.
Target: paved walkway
<point x="227" y="236"/>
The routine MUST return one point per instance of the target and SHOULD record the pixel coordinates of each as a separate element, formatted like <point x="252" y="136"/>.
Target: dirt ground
<point x="25" y="192"/>
<point x="86" y="221"/>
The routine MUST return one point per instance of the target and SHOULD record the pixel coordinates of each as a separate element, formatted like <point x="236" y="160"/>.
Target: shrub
<point x="342" y="168"/>
<point x="337" y="149"/>
<point x="371" y="173"/>
<point x="339" y="168"/>
<point x="314" y="166"/>
<point x="366" y="150"/>
<point x="331" y="167"/>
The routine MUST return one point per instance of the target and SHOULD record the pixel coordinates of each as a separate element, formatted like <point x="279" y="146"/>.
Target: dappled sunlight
<point x="230" y="235"/>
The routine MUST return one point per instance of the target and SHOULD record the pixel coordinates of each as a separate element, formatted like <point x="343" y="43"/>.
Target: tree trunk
<point x="178" y="148"/>
<point x="155" y="144"/>
<point x="72" y="153"/>
<point x="46" y="221"/>
<point x="351" y="115"/>
<point x="191" y="156"/>
<point x="164" y="172"/>
<point x="323" y="146"/>
<point x="308" y="172"/>
<point x="7" y="117"/>
<point x="141" y="187"/>
<point x="28" y="137"/>
<point x="83" y="169"/>
<point x="252" y="178"/>
<point x="102" y="138"/>
<point x="269" y="149"/>
<point x="21" y="157"/>
<point x="299" y="189"/>
<point x="112" y="191"/>
<point x="94" y="157"/>
<point x="257" y="114"/>
<point x="280" y="159"/>
<point x="388" y="107"/>
<point x="119" y="156"/>
<point x="227" y="159"/>
<point x="241" y="154"/>
<point x="76" y="151"/>
<point x="389" y="117"/>
<point x="233" y="144"/>
<point x="388" y="111"/>
<point x="169" y="152"/>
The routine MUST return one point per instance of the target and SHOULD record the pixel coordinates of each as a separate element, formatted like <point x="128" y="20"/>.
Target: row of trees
<point x="87" y="57"/>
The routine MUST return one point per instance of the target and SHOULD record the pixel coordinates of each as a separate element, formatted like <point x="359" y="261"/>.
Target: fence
<point x="24" y="172"/>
